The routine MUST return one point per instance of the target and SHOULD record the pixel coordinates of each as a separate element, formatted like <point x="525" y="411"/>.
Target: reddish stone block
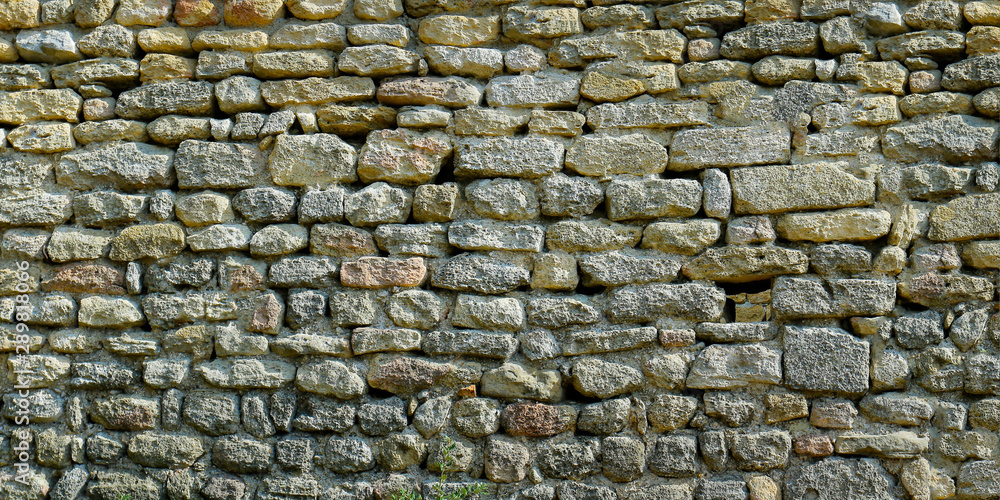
<point x="677" y="338"/>
<point x="86" y="279"/>
<point x="267" y="315"/>
<point x="382" y="272"/>
<point x="813" y="445"/>
<point x="245" y="277"/>
<point x="406" y="375"/>
<point x="197" y="13"/>
<point x="536" y="420"/>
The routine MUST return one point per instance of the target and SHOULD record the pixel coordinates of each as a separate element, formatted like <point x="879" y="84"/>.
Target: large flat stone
<point x="599" y="156"/>
<point x="247" y="373"/>
<point x="281" y="93"/>
<point x="530" y="91"/>
<point x="528" y="157"/>
<point x="966" y="218"/>
<point x="954" y="139"/>
<point x="730" y="147"/>
<point x="33" y="105"/>
<point x="311" y="160"/>
<point x="785" y="188"/>
<point x="773" y="38"/>
<point x="34" y="207"/>
<point x="903" y="444"/>
<point x="217" y="165"/>
<point x="937" y="44"/>
<point x="742" y="263"/>
<point x="849" y="224"/>
<point x="722" y="366"/>
<point x="496" y="235"/>
<point x="810" y="297"/>
<point x="174" y="98"/>
<point x="825" y="360"/>
<point x="973" y="74"/>
<point x="125" y="165"/>
<point x="840" y="479"/>
<point x="651" y="198"/>
<point x="642" y="303"/>
<point x="648" y="114"/>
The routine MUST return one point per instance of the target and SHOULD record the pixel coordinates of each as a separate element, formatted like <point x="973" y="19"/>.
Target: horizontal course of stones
<point x="701" y="249"/>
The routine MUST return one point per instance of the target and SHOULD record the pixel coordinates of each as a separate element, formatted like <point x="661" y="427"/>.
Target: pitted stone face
<point x="318" y="249"/>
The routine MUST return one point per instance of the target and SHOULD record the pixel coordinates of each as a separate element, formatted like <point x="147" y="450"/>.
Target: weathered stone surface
<point x="331" y="378"/>
<point x="174" y="98"/>
<point x="401" y="375"/>
<point x="784" y="188"/>
<point x="247" y="373"/>
<point x="470" y="343"/>
<point x="311" y="160"/>
<point x="936" y="139"/>
<point x="621" y="268"/>
<point x="674" y="455"/>
<point x="452" y="92"/>
<point x="523" y="23"/>
<point x="777" y="70"/>
<point x="596" y="378"/>
<point x="971" y="75"/>
<point x="699" y="11"/>
<point x="377" y="203"/>
<point x="697" y="148"/>
<point x="761" y="450"/>
<point x="600" y="156"/>
<point x="640" y="303"/>
<point x="965" y="218"/>
<point x="470" y="62"/>
<point x="380" y="272"/>
<point x="164" y="450"/>
<point x="849" y="224"/>
<point x="728" y="367"/>
<point x="154" y="240"/>
<point x="403" y="156"/>
<point x="841" y="478"/>
<point x="377" y="61"/>
<point x="209" y="165"/>
<point x="649" y="198"/>
<point x="646" y="114"/>
<point x="126" y="413"/>
<point x="739" y="263"/>
<point x="112" y="72"/>
<point x="765" y="39"/>
<point x="525" y="157"/>
<point x="101" y="312"/>
<point x="354" y="120"/>
<point x="281" y="93"/>
<point x="594" y="342"/>
<point x="823" y="359"/>
<point x="808" y="297"/>
<point x="477" y="272"/>
<point x="514" y="381"/>
<point x="903" y="444"/>
<point x="127" y="165"/>
<point x="45" y="104"/>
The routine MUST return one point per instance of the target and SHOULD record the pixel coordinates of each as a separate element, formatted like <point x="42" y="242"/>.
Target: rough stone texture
<point x="699" y="249"/>
<point x="785" y="188"/>
<point x="697" y="148"/>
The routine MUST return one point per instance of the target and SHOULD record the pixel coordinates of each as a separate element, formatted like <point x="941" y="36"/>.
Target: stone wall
<point x="703" y="249"/>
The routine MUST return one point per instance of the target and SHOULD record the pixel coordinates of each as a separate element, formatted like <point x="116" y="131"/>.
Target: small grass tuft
<point x="437" y="489"/>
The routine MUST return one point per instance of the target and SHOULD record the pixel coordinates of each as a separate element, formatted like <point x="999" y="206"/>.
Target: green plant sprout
<point x="437" y="489"/>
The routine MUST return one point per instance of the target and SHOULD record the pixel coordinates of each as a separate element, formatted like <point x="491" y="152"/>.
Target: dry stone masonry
<point x="662" y="250"/>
